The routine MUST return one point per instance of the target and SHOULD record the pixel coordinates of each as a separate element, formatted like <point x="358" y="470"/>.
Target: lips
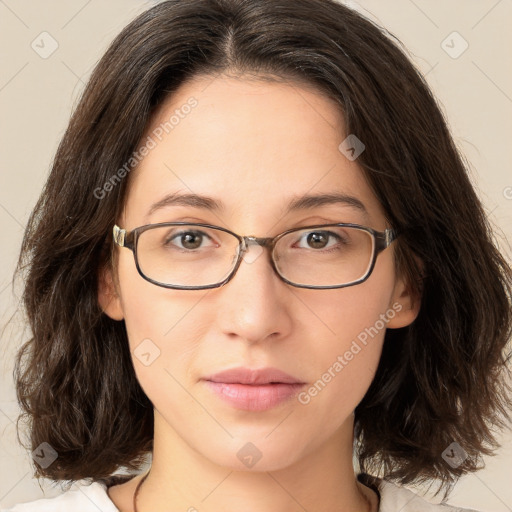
<point x="253" y="390"/>
<point x="256" y="376"/>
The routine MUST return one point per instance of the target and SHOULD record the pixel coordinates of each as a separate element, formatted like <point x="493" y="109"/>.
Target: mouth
<point x="254" y="390"/>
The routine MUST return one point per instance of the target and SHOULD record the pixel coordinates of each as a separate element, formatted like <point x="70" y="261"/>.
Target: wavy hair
<point x="440" y="380"/>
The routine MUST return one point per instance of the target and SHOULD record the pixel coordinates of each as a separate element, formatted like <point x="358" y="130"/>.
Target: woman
<point x="257" y="255"/>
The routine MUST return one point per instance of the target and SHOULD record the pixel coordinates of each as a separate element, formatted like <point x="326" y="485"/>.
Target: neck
<point x="322" y="479"/>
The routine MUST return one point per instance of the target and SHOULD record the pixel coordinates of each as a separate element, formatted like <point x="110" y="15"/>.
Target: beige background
<point x="37" y="95"/>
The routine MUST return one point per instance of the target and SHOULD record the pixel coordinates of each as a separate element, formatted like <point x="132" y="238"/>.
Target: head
<point x="282" y="147"/>
<point x="273" y="89"/>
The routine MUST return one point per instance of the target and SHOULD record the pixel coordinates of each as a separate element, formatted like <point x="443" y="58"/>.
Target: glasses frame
<point x="129" y="239"/>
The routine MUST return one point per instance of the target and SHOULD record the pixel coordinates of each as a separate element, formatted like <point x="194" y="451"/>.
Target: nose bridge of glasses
<point x="254" y="240"/>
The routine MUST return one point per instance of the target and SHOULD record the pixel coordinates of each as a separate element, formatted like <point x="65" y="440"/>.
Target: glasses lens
<point x="324" y="256"/>
<point x="192" y="255"/>
<point x="186" y="255"/>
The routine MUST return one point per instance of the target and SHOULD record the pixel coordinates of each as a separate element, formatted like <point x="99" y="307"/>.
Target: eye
<point x="188" y="240"/>
<point x="320" y="240"/>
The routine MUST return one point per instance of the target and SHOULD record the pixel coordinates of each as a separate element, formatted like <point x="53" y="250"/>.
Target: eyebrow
<point x="305" y="202"/>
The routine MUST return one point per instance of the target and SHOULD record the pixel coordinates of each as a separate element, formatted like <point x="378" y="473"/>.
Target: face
<point x="253" y="146"/>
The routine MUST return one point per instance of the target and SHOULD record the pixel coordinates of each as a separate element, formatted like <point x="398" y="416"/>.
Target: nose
<point x="254" y="304"/>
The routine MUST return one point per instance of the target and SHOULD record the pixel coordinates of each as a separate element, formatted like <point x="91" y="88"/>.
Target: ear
<point x="108" y="297"/>
<point x="405" y="302"/>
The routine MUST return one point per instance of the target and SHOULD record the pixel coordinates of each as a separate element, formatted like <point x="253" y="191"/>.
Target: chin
<point x="252" y="453"/>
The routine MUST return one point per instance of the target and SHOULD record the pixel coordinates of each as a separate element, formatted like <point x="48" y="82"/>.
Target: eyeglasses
<point x="195" y="256"/>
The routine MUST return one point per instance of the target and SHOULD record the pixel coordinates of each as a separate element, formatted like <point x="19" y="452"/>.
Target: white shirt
<point x="87" y="497"/>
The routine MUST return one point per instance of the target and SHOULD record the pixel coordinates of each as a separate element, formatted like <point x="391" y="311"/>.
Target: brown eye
<point x="188" y="240"/>
<point x="320" y="240"/>
<point x="317" y="240"/>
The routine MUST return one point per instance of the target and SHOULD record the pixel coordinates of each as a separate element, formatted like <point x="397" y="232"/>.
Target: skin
<point x="255" y="146"/>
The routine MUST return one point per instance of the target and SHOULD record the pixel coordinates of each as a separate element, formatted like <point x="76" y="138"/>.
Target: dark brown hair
<point x="440" y="380"/>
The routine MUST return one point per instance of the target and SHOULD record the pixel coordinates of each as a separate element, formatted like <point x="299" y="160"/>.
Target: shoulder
<point x="82" y="497"/>
<point x="394" y="497"/>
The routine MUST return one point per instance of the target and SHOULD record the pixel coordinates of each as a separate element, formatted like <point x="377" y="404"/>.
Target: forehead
<point x="253" y="144"/>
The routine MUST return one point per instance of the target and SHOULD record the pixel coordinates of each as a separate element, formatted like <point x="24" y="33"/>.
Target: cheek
<point x="348" y="314"/>
<point x="353" y="323"/>
<point x="163" y="330"/>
